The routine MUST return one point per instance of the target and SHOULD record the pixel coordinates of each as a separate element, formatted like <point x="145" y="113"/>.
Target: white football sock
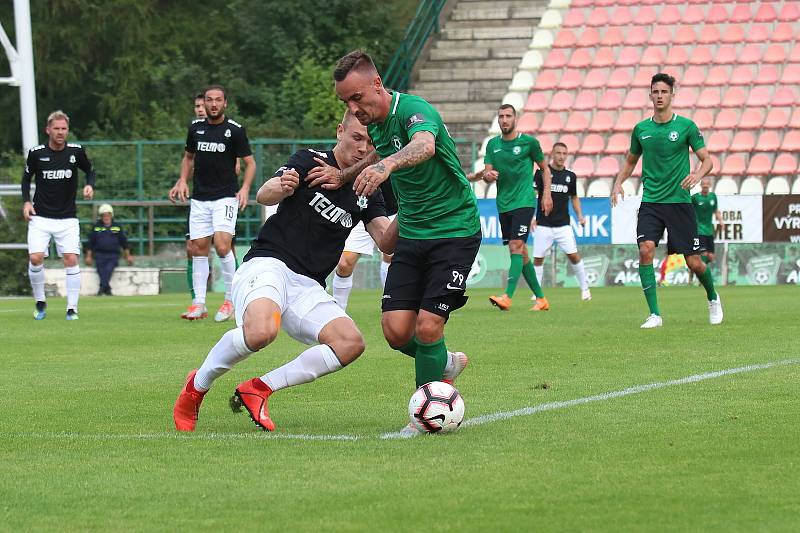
<point x="384" y="272"/>
<point x="200" y="278"/>
<point x="539" y="273"/>
<point x="73" y="286"/>
<point x="313" y="363"/>
<point x="580" y="275"/>
<point x="228" y="270"/>
<point x="36" y="273"/>
<point x="230" y="349"/>
<point x="341" y="289"/>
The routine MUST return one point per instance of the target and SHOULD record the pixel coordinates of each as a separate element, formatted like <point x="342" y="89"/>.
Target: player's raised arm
<point x="421" y="148"/>
<point x="279" y="187"/>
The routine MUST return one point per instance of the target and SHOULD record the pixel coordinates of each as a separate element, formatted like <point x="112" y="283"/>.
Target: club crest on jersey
<point x="567" y="179"/>
<point x="398" y="144"/>
<point x="72" y="159"/>
<point x="362" y="202"/>
<point x="227" y="133"/>
<point x="517" y="150"/>
<point x="673" y="136"/>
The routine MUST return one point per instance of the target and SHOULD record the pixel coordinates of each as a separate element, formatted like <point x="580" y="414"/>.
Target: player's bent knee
<point x="36" y="259"/>
<point x="430" y="328"/>
<point x="396" y="332"/>
<point x="70" y="260"/>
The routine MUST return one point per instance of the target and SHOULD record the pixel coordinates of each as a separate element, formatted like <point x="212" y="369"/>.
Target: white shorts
<point x="359" y="241"/>
<point x="65" y="231"/>
<point x="305" y="306"/>
<point x="206" y="218"/>
<point x="544" y="236"/>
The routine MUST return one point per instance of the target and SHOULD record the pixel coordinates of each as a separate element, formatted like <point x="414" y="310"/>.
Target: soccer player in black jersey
<point x="212" y="146"/>
<point x="556" y="227"/>
<point x="52" y="213"/>
<point x="282" y="282"/>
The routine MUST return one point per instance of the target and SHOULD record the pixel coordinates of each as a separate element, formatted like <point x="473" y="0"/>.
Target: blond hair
<point x="57" y="115"/>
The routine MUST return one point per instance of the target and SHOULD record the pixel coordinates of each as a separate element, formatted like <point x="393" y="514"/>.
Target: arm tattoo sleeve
<point x="350" y="173"/>
<point x="420" y="149"/>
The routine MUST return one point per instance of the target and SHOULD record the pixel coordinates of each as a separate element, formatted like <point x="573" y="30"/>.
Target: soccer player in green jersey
<point x="664" y="141"/>
<point x="437" y="214"/>
<point x="706" y="206"/>
<point x="509" y="162"/>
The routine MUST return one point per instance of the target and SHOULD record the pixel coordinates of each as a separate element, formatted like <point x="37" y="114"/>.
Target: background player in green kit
<point x="437" y="213"/>
<point x="509" y="161"/>
<point x="706" y="206"/>
<point x="664" y="140"/>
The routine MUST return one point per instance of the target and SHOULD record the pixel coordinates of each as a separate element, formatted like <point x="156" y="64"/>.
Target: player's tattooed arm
<point x="329" y="177"/>
<point x="421" y="148"/>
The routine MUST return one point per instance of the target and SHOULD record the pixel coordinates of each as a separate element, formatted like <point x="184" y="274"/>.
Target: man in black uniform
<point x="555" y="227"/>
<point x="212" y="146"/>
<point x="105" y="243"/>
<point x="282" y="282"/>
<point x="52" y="214"/>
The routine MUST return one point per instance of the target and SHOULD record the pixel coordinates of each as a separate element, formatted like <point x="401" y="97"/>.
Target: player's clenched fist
<point x="290" y="180"/>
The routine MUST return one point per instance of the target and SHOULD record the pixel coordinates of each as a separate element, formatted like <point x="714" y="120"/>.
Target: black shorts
<point x="516" y="224"/>
<point x="430" y="274"/>
<point x="706" y="243"/>
<point x="679" y="221"/>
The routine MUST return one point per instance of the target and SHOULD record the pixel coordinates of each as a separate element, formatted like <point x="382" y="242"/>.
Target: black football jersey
<point x="56" y="175"/>
<point x="563" y="187"/>
<point x="215" y="148"/>
<point x="309" y="229"/>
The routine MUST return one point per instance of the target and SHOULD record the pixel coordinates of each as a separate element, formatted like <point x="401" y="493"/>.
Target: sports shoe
<point x="460" y="362"/>
<point x="187" y="406"/>
<point x="715" y="311"/>
<point x="502" y="301"/>
<point x="195" y="312"/>
<point x="653" y="321"/>
<point x="225" y="311"/>
<point x="72" y="314"/>
<point x="253" y="395"/>
<point x="586" y="295"/>
<point x="41" y="311"/>
<point x="409" y="431"/>
<point x="541" y="305"/>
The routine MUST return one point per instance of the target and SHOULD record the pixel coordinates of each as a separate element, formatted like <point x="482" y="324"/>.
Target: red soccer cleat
<point x="187" y="406"/>
<point x="253" y="395"/>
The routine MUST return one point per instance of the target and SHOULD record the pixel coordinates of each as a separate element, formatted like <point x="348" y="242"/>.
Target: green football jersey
<point x="704" y="209"/>
<point x="665" y="161"/>
<point x="513" y="161"/>
<point x="434" y="198"/>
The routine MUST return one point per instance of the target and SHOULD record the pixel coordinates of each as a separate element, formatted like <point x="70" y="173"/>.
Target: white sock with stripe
<point x="73" y="286"/>
<point x="228" y="351"/>
<point x="200" y="278"/>
<point x="36" y="274"/>
<point x="313" y="363"/>
<point x="341" y="289"/>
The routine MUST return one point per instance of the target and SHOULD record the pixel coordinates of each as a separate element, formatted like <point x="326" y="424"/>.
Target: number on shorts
<point x="229" y="212"/>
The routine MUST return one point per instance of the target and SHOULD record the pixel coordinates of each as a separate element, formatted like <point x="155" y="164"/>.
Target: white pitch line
<point x="178" y="436"/>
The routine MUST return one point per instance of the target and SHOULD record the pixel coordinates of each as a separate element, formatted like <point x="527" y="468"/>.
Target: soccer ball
<point x="436" y="407"/>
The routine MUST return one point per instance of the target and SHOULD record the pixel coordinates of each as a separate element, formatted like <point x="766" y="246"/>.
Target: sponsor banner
<point x="782" y="218"/>
<point x="763" y="264"/>
<point x="623" y="220"/>
<point x="741" y="219"/>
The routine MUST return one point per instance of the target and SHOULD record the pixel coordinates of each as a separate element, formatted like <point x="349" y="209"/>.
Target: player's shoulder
<point x="75" y="146"/>
<point x="409" y="104"/>
<point x="306" y="158"/>
<point x="36" y="148"/>
<point x="197" y="121"/>
<point x="568" y="172"/>
<point x="683" y="121"/>
<point x="233" y="123"/>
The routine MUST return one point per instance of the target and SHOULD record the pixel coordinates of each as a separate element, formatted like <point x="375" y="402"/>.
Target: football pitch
<point x="576" y="420"/>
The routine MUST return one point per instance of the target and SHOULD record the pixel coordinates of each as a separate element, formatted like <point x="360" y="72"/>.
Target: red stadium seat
<point x="677" y="55"/>
<point x="719" y="141"/>
<point x="734" y="97"/>
<point x="777" y="118"/>
<point x="598" y="17"/>
<point x="611" y="100"/>
<point x="645" y="16"/>
<point x="752" y="119"/>
<point x="662" y="35"/>
<point x="726" y="55"/>
<point x="710" y="34"/>
<point x="718" y="76"/>
<point x="791" y="75"/>
<point x="759" y="97"/>
<point x="701" y="55"/>
<point x="744" y="141"/>
<point x="643" y="77"/>
<point x="628" y="57"/>
<point x="734" y="34"/>
<point x="637" y="36"/>
<point x="741" y="13"/>
<point x="783" y="33"/>
<point x="607" y="167"/>
<point x="571" y="79"/>
<point x="537" y="101"/>
<point x="555" y="59"/>
<point x="618" y="143"/>
<point x="551" y="123"/>
<point x="653" y="56"/>
<point x="704" y="118"/>
<point x="790" y="12"/>
<point x="561" y="101"/>
<point x="592" y="144"/>
<point x="765" y="13"/>
<point x="758" y="33"/>
<point x="694" y="76"/>
<point x="717" y="14"/>
<point x="791" y="141"/>
<point x="583" y="166"/>
<point x="669" y="15"/>
<point x="794" y="56"/>
<point x="627" y="120"/>
<point x="775" y="53"/>
<point x="596" y="78"/>
<point x="546" y="80"/>
<point x="742" y="75"/>
<point x="710" y="97"/>
<point x="574" y="19"/>
<point x="586" y="100"/>
<point x="768" y="141"/>
<point x="685" y="98"/>
<point x="580" y="58"/>
<point x="767" y="75"/>
<point x="727" y="119"/>
<point x="571" y="141"/>
<point x="546" y="141"/>
<point x="528" y="123"/>
<point x="692" y="15"/>
<point x="621" y="16"/>
<point x="785" y="164"/>
<point x="636" y="99"/>
<point x="733" y="166"/>
<point x="589" y="38"/>
<point x="760" y="165"/>
<point x="620" y="77"/>
<point x="784" y="96"/>
<point x="685" y="35"/>
<point x="582" y="3"/>
<point x="750" y="53"/>
<point x="612" y="37"/>
<point x="565" y="39"/>
<point x="603" y="57"/>
<point x="794" y="122"/>
<point x="577" y="122"/>
<point x="602" y="122"/>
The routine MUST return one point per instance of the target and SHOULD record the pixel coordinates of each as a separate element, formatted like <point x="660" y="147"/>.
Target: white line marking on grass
<point x="178" y="436"/>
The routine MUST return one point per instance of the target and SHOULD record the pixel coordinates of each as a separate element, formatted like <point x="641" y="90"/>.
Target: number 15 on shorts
<point x="229" y="212"/>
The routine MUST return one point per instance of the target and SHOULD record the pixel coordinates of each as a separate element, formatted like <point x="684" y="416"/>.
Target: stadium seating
<point x="777" y="185"/>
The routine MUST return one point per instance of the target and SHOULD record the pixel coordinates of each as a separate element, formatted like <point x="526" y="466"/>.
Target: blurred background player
<point x="103" y="248"/>
<point x="556" y="227"/>
<point x="706" y="206"/>
<point x="52" y="214"/>
<point x="282" y="282"/>
<point x="199" y="114"/>
<point x="509" y="162"/>
<point x="212" y="146"/>
<point x="664" y="140"/>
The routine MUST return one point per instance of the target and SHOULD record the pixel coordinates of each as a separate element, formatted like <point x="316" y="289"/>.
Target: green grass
<point x="86" y="438"/>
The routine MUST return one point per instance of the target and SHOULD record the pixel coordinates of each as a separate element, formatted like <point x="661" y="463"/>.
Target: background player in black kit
<point x="52" y="213"/>
<point x="282" y="282"/>
<point x="212" y="146"/>
<point x="555" y="227"/>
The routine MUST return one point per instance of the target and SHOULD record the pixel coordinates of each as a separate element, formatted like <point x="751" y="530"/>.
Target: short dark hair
<point x="200" y="96"/>
<point x="215" y="88"/>
<point x="507" y="106"/>
<point x="356" y="60"/>
<point x="666" y="78"/>
<point x="559" y="143"/>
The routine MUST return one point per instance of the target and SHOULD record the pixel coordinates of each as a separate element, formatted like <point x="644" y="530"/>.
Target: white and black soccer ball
<point x="436" y="407"/>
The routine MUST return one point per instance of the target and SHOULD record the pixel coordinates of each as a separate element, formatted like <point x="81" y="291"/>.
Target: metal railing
<point x="425" y="22"/>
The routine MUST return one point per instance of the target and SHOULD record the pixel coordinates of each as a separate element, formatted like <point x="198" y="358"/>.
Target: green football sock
<point x="430" y="361"/>
<point x="189" y="280"/>
<point x="707" y="280"/>
<point x="410" y="348"/>
<point x="648" y="277"/>
<point x="513" y="274"/>
<point x="530" y="277"/>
